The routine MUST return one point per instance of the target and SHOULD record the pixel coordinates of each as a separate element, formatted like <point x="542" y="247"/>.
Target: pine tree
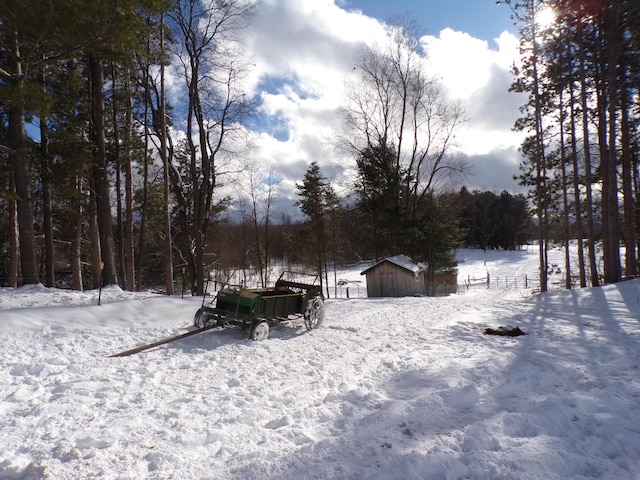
<point x="317" y="200"/>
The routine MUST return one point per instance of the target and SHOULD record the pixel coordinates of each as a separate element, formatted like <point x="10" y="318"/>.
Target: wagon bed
<point x="256" y="309"/>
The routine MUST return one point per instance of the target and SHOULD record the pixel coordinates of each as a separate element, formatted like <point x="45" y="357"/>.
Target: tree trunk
<point x="631" y="264"/>
<point x="100" y="174"/>
<point x="76" y="244"/>
<point x="256" y="232"/>
<point x="586" y="141"/>
<point x="94" y="239"/>
<point x="142" y="240"/>
<point x="117" y="160"/>
<point x="610" y="213"/>
<point x="541" y="187"/>
<point x="17" y="141"/>
<point x="45" y="174"/>
<point x="201" y="184"/>
<point x="576" y="192"/>
<point x="168" y="247"/>
<point x="128" y="250"/>
<point x="14" y="258"/>
<point x="565" y="198"/>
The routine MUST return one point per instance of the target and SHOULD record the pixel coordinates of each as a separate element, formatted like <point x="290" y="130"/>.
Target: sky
<point x="482" y="19"/>
<point x="303" y="55"/>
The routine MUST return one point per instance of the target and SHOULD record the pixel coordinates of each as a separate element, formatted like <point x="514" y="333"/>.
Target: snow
<point x="401" y="261"/>
<point x="385" y="389"/>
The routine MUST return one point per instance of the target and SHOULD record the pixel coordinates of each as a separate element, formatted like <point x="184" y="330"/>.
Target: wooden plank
<point x="142" y="348"/>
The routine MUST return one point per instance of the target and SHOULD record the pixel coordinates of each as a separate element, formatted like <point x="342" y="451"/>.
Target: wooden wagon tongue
<point x="142" y="348"/>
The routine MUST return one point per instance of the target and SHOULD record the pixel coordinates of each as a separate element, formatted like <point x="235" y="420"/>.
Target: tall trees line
<point x="87" y="81"/>
<point x="108" y="192"/>
<point x="582" y="75"/>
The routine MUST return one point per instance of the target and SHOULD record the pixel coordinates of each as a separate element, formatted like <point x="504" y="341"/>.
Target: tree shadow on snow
<point x="559" y="402"/>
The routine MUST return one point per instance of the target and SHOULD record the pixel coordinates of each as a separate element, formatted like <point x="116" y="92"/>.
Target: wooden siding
<point x="446" y="284"/>
<point x="390" y="280"/>
<point x="387" y="279"/>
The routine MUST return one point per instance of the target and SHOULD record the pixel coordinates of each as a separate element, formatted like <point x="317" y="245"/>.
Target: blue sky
<point x="479" y="18"/>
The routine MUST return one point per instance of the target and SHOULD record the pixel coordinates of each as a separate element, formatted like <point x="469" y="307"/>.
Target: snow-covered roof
<point x="401" y="261"/>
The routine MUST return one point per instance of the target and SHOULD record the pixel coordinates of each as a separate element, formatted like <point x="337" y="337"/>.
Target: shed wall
<point x="446" y="284"/>
<point x="389" y="280"/>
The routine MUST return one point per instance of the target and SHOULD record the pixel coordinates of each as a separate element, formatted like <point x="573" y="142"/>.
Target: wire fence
<point x="348" y="291"/>
<point x="504" y="282"/>
<point x="358" y="289"/>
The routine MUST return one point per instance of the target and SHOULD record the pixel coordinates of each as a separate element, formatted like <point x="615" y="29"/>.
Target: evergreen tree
<point x="379" y="196"/>
<point x="317" y="201"/>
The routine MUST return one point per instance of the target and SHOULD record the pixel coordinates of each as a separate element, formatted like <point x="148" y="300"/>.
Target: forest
<point x="105" y="181"/>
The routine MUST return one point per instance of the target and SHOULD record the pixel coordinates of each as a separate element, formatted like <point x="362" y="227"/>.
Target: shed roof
<point x="401" y="261"/>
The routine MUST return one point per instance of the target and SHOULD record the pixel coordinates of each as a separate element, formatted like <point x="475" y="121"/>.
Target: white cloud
<point x="480" y="77"/>
<point x="311" y="41"/>
<point x="304" y="53"/>
<point x="459" y="60"/>
<point x="494" y="170"/>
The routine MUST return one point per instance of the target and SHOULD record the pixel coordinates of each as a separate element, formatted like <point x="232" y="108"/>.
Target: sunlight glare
<point x="546" y="17"/>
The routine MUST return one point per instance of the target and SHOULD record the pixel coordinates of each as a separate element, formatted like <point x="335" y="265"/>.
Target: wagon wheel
<point x="200" y="319"/>
<point x="259" y="330"/>
<point x="314" y="315"/>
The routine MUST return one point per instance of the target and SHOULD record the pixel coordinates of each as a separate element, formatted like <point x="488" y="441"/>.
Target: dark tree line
<point x="336" y="232"/>
<point x="497" y="222"/>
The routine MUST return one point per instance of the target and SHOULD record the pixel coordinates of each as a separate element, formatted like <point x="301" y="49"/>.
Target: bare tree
<point x="399" y="119"/>
<point x="260" y="190"/>
<point x="396" y="103"/>
<point x="209" y="50"/>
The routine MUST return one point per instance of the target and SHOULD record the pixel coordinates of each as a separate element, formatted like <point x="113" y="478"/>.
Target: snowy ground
<point x="385" y="389"/>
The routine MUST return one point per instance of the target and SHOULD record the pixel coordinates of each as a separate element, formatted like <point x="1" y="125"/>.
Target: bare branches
<point x="396" y="103"/>
<point x="401" y="129"/>
<point x="210" y="54"/>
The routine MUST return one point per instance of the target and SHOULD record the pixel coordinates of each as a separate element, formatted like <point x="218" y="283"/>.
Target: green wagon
<point x="257" y="309"/>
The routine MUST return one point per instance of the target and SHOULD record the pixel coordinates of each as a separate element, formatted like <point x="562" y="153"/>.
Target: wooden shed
<point x="395" y="277"/>
<point x="399" y="276"/>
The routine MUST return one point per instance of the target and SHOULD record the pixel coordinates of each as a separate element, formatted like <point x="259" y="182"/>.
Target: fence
<point x="504" y="282"/>
<point x="348" y="291"/>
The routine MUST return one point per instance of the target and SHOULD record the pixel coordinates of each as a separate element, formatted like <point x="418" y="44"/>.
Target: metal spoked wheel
<point x="200" y="319"/>
<point x="259" y="330"/>
<point x="314" y="315"/>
